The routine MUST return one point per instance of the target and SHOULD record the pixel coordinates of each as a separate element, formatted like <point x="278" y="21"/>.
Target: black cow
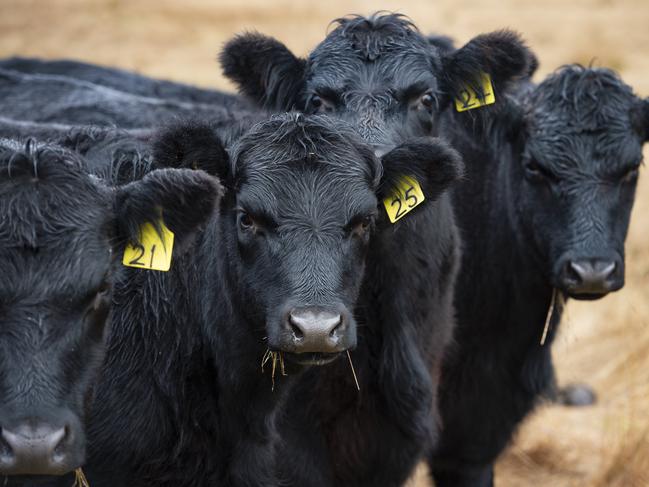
<point x="544" y="212"/>
<point x="122" y="80"/>
<point x="62" y="233"/>
<point x="182" y="399"/>
<point x="379" y="72"/>
<point x="59" y="99"/>
<point x="387" y="79"/>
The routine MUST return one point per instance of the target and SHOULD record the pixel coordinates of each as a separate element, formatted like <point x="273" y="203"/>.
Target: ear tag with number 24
<point x="406" y="195"/>
<point x="469" y="99"/>
<point x="154" y="251"/>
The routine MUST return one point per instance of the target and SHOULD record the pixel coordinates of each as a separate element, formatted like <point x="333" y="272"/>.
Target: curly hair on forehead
<point x="292" y="137"/>
<point x="370" y="35"/>
<point x="584" y="92"/>
<point x="36" y="159"/>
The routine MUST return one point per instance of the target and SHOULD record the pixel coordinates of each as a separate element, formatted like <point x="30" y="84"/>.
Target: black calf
<point x="58" y="99"/>
<point x="60" y="241"/>
<point x="121" y="80"/>
<point x="546" y="203"/>
<point x="386" y="78"/>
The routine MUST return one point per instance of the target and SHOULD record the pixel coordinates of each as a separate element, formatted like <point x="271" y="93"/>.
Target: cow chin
<point x="586" y="297"/>
<point x="311" y="359"/>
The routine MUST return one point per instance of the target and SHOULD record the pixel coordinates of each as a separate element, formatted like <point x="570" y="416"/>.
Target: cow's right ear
<point x="444" y="44"/>
<point x="184" y="198"/>
<point x="264" y="70"/>
<point x="431" y="162"/>
<point x="192" y="145"/>
<point x="502" y="55"/>
<point x="645" y="118"/>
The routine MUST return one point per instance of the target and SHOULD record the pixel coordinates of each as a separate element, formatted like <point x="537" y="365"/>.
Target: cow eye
<point x="246" y="223"/>
<point x="630" y="176"/>
<point x="536" y="173"/>
<point x="319" y="104"/>
<point x="361" y="226"/>
<point x="427" y="100"/>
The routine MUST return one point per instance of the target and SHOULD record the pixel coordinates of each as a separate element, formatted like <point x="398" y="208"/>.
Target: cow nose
<point x="318" y="330"/>
<point x="591" y="276"/>
<point x="35" y="450"/>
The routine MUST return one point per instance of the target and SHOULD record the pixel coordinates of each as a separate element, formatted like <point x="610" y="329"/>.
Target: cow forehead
<point x="603" y="137"/>
<point x="305" y="191"/>
<point x="394" y="70"/>
<point x="63" y="267"/>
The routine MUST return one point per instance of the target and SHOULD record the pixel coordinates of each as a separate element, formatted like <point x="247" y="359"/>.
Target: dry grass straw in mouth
<point x="80" y="479"/>
<point x="349" y="356"/>
<point x="548" y="318"/>
<point x="277" y="358"/>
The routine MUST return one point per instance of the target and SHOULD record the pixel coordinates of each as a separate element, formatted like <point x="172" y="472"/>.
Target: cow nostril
<point x="574" y="271"/>
<point x="6" y="452"/>
<point x="336" y="327"/>
<point x="59" y="454"/>
<point x="298" y="333"/>
<point x="610" y="269"/>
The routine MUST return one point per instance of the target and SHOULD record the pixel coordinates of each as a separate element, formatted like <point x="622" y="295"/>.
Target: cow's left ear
<point x="192" y="145"/>
<point x="644" y="118"/>
<point x="431" y="162"/>
<point x="184" y="198"/>
<point x="264" y="70"/>
<point x="502" y="55"/>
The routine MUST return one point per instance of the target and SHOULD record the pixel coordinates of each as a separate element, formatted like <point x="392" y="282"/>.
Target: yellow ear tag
<point x="469" y="99"/>
<point x="404" y="198"/>
<point x="154" y="251"/>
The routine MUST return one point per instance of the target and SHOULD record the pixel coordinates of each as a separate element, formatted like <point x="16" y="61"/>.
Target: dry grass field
<point x="605" y="343"/>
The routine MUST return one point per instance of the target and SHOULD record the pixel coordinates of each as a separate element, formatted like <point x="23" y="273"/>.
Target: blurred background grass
<point x="605" y="344"/>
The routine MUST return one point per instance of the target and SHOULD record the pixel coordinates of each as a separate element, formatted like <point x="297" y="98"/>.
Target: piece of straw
<point x="80" y="479"/>
<point x="548" y="318"/>
<point x="276" y="357"/>
<point x="353" y="371"/>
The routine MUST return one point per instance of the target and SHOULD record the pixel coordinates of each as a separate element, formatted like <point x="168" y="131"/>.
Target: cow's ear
<point x="502" y="55"/>
<point x="641" y="118"/>
<point x="444" y="44"/>
<point x="264" y="70"/>
<point x="192" y="145"/>
<point x="431" y="162"/>
<point x="184" y="198"/>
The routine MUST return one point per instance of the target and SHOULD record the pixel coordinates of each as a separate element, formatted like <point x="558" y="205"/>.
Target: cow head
<point x="581" y="143"/>
<point x="378" y="73"/>
<point x="298" y="215"/>
<point x="62" y="234"/>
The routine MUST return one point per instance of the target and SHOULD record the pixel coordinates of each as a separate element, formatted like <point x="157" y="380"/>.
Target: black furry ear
<point x="432" y="162"/>
<point x="184" y="198"/>
<point x="264" y="70"/>
<point x="644" y="118"/>
<point x="444" y="44"/>
<point x="191" y="145"/>
<point x="501" y="54"/>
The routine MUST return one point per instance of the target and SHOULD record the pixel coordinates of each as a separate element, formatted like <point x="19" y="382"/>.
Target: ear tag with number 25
<point x="469" y="99"/>
<point x="154" y="251"/>
<point x="404" y="198"/>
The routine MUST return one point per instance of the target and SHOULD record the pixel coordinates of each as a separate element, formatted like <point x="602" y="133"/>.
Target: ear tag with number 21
<point x="154" y="251"/>
<point x="406" y="195"/>
<point x="468" y="98"/>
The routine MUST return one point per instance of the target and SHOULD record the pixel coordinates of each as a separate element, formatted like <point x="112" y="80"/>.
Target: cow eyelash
<point x="535" y="171"/>
<point x="359" y="225"/>
<point x="627" y="175"/>
<point x="247" y="221"/>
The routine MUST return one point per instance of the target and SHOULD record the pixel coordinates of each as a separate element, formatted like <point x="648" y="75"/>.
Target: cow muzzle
<point x="591" y="278"/>
<point x="33" y="447"/>
<point x="317" y="334"/>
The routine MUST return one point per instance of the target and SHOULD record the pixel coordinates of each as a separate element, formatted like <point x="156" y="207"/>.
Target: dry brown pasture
<point x="604" y="343"/>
